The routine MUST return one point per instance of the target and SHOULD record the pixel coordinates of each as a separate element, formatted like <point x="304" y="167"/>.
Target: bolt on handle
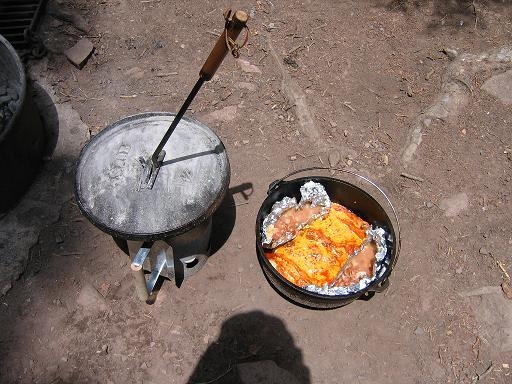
<point x="235" y="22"/>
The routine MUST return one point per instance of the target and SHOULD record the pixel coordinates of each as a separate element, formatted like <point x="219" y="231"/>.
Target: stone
<point x="224" y="114"/>
<point x="135" y="73"/>
<point x="493" y="311"/>
<point x="419" y="331"/>
<point x="483" y="251"/>
<point x="247" y="67"/>
<point x="91" y="300"/>
<point x="500" y="86"/>
<point x="80" y="52"/>
<point x="247" y="86"/>
<point x="458" y="270"/>
<point x="334" y="158"/>
<point x="264" y="372"/>
<point x="455" y="204"/>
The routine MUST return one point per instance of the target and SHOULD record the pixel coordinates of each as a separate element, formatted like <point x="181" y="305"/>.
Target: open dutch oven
<point x="375" y="209"/>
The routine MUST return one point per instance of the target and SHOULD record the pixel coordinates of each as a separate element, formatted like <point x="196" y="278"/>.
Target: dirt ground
<point x="318" y="84"/>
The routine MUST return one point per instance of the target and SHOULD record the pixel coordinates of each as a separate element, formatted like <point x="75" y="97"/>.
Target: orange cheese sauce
<point x="320" y="250"/>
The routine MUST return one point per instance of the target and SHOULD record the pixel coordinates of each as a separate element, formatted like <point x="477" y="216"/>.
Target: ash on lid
<point x="190" y="185"/>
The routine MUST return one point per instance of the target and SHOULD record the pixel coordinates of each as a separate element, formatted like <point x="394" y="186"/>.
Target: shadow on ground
<point x="248" y="346"/>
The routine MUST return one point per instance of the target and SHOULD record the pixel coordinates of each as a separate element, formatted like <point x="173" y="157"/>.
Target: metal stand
<point x="176" y="258"/>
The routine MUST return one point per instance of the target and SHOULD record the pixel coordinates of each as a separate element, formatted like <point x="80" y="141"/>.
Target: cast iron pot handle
<point x="274" y="185"/>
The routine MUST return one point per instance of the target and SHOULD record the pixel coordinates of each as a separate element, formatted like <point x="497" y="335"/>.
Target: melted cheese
<point x="320" y="250"/>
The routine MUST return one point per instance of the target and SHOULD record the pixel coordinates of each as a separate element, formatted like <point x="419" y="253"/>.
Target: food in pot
<point x="320" y="250"/>
<point x="291" y="221"/>
<point x="288" y="217"/>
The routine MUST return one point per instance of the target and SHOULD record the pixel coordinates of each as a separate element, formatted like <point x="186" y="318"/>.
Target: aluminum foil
<point x="311" y="192"/>
<point x="378" y="235"/>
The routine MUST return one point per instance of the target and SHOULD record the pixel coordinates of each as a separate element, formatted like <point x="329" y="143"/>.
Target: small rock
<point x="144" y="365"/>
<point x="59" y="239"/>
<point x="349" y="162"/>
<point x="455" y="204"/>
<point x="247" y="67"/>
<point x="507" y="289"/>
<point x="57" y="302"/>
<point x="91" y="300"/>
<point x="451" y="53"/>
<point x="248" y="86"/>
<point x="104" y="349"/>
<point x="245" y="142"/>
<point x="182" y="46"/>
<point x="458" y="270"/>
<point x="334" y="158"/>
<point x="385" y="159"/>
<point x="135" y="73"/>
<point x="449" y="332"/>
<point x="293" y="158"/>
<point x="419" y="331"/>
<point x="333" y="124"/>
<point x="224" y="114"/>
<point x="152" y="344"/>
<point x="463" y="131"/>
<point x="80" y="52"/>
<point x="483" y="251"/>
<point x="429" y="204"/>
<point x="500" y="86"/>
<point x="64" y="359"/>
<point x="345" y="133"/>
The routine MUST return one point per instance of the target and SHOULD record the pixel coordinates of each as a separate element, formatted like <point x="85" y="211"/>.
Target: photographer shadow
<point x="252" y="348"/>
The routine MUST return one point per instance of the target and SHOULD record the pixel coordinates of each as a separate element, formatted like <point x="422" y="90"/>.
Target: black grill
<point x="18" y="19"/>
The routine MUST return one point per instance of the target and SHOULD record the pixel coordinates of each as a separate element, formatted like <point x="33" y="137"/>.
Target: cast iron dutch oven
<point x="355" y="198"/>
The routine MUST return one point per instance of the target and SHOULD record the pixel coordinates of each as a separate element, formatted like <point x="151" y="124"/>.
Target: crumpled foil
<point x="310" y="192"/>
<point x="378" y="235"/>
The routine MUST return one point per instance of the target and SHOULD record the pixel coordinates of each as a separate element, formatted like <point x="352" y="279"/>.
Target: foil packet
<point x="314" y="203"/>
<point x="377" y="235"/>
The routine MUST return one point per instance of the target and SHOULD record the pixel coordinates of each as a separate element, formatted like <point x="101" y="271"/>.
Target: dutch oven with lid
<point x="154" y="180"/>
<point x="356" y="195"/>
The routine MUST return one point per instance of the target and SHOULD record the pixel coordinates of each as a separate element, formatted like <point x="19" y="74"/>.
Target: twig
<point x="128" y="96"/>
<point x="500" y="265"/>
<point x="347" y="104"/>
<point x="412" y="177"/>
<point x="166" y="74"/>
<point x="320" y="26"/>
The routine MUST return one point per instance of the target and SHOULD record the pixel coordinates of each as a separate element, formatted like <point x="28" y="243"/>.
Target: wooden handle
<point x="220" y="50"/>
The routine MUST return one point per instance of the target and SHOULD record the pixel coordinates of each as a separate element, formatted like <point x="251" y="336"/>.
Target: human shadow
<point x="254" y="345"/>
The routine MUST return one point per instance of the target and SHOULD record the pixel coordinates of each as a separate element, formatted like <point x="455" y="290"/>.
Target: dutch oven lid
<point x="191" y="182"/>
